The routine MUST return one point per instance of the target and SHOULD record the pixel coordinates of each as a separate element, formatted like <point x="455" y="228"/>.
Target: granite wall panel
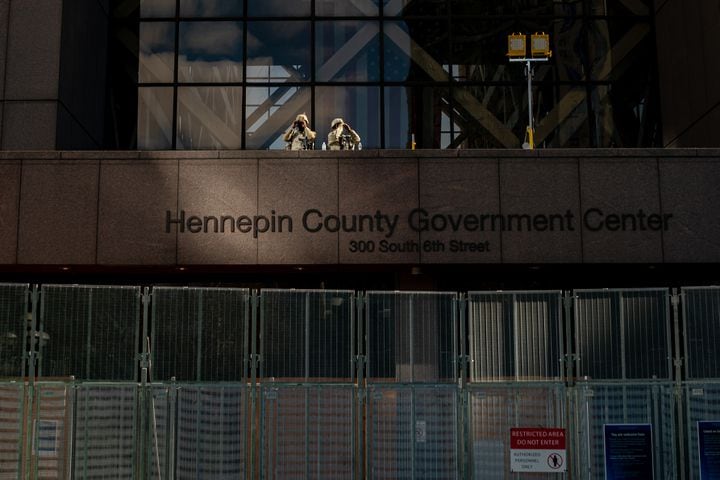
<point x="544" y="198"/>
<point x="134" y="224"/>
<point x="454" y="195"/>
<point x="9" y="209"/>
<point x="690" y="193"/>
<point x="296" y="199"/>
<point x="377" y="197"/>
<point x="29" y="125"/>
<point x="620" y="203"/>
<point x="220" y="192"/>
<point x="58" y="212"/>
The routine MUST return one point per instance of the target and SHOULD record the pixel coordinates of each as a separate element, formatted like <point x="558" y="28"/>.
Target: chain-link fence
<point x="125" y="382"/>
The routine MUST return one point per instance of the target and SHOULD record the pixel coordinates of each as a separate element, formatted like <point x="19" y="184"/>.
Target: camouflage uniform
<point x="298" y="139"/>
<point x="338" y="129"/>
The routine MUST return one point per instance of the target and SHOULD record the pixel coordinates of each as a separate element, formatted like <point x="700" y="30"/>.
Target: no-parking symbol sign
<point x="537" y="450"/>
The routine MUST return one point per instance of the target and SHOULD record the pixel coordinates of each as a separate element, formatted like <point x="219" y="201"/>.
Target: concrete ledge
<point x="100" y="155"/>
<point x="24" y="154"/>
<point x="540" y="154"/>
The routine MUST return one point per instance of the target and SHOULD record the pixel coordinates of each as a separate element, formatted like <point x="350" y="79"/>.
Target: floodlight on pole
<point x="516" y="45"/>
<point x="539" y="52"/>
<point x="540" y="45"/>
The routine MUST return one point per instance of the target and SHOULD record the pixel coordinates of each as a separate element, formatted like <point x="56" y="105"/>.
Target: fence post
<point x="361" y="447"/>
<point x="463" y="434"/>
<point x="675" y="300"/>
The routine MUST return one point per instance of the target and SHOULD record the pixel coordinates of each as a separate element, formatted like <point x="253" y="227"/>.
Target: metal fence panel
<point x="157" y="431"/>
<point x="515" y="336"/>
<point x="89" y="332"/>
<point x="105" y="431"/>
<point x="702" y="403"/>
<point x="307" y="334"/>
<point x="597" y="404"/>
<point x="623" y="334"/>
<point x="211" y="432"/>
<point x="411" y="337"/>
<point x="12" y="416"/>
<point x="495" y="409"/>
<point x="52" y="432"/>
<point x="701" y="318"/>
<point x="13" y="328"/>
<point x="412" y="432"/>
<point x="307" y="432"/>
<point x="200" y="334"/>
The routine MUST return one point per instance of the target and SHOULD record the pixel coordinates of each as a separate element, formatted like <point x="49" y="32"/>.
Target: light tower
<point x="539" y="52"/>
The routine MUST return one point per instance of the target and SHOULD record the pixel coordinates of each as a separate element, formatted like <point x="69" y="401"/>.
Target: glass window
<point x="209" y="117"/>
<point x="398" y="121"/>
<point x="414" y="111"/>
<point x="358" y="106"/>
<point x="210" y="52"/>
<point x="211" y="8"/>
<point x="279" y="8"/>
<point x="620" y="7"/>
<point x="425" y="42"/>
<point x="157" y="52"/>
<point x="440" y="65"/>
<point x="270" y="110"/>
<point x="491" y="116"/>
<point x="396" y="8"/>
<point x="155" y="113"/>
<point x="634" y="59"/>
<point x="625" y="115"/>
<point x="355" y="8"/>
<point x="450" y="132"/>
<point x="480" y="57"/>
<point x="278" y="51"/>
<point x="515" y="7"/>
<point x="568" y="126"/>
<point x="347" y="51"/>
<point x="569" y="46"/>
<point x="157" y="8"/>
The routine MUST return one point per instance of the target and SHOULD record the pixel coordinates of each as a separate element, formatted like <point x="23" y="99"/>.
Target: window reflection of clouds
<point x="157" y="52"/>
<point x="210" y="52"/>
<point x="283" y="45"/>
<point x="279" y="8"/>
<point x="157" y="8"/>
<point x="157" y="37"/>
<point x="211" y="8"/>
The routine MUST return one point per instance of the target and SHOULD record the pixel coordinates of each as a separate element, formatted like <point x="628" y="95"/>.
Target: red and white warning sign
<point x="537" y="450"/>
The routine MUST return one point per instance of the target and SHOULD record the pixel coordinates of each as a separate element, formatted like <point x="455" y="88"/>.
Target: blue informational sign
<point x="709" y="450"/>
<point x="628" y="451"/>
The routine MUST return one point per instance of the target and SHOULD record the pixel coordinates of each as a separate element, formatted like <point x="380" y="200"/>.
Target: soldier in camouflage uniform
<point x="341" y="136"/>
<point x="299" y="136"/>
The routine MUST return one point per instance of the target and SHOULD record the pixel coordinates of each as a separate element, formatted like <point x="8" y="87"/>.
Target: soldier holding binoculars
<point x="342" y="136"/>
<point x="299" y="136"/>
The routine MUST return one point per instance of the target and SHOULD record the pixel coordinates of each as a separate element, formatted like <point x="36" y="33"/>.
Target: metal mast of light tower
<point x="539" y="52"/>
